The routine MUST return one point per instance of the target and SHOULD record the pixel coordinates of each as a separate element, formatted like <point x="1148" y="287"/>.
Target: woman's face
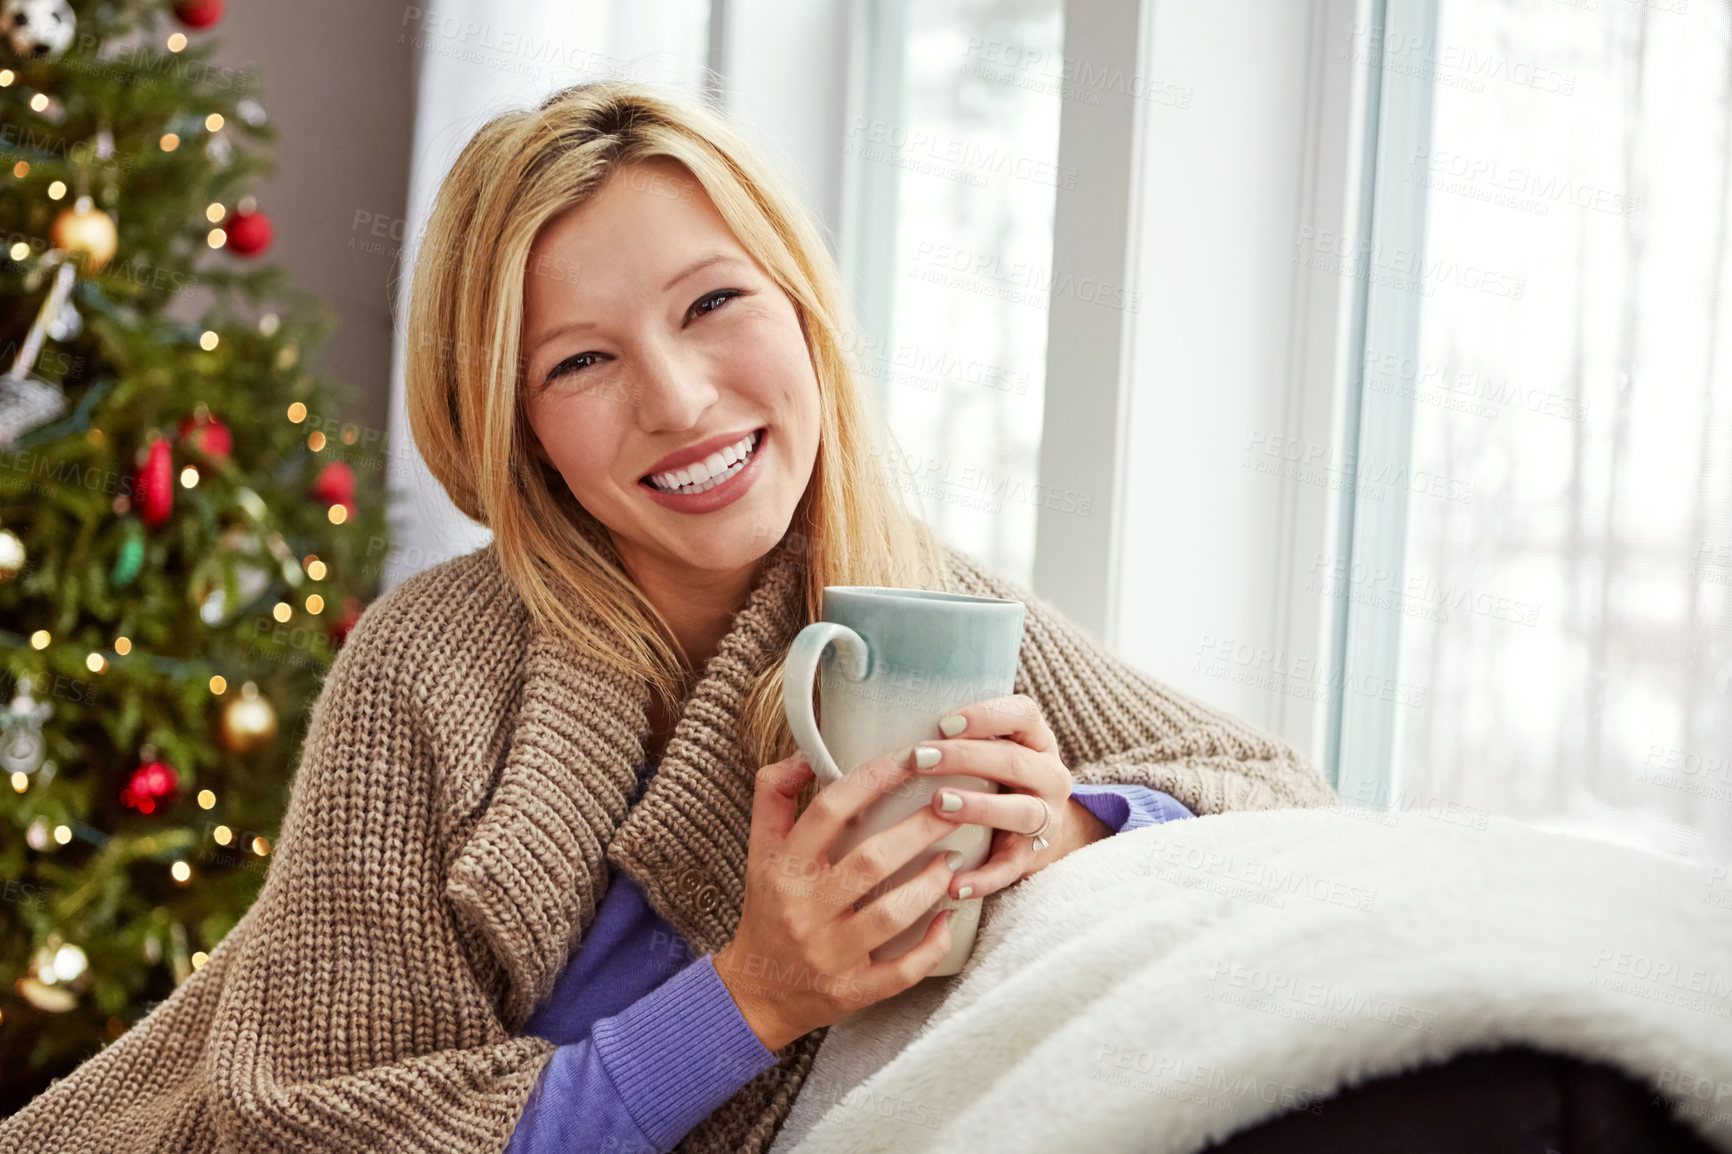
<point x="667" y="377"/>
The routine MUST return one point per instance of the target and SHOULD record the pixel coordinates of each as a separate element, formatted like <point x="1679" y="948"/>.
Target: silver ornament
<point x="21" y="743"/>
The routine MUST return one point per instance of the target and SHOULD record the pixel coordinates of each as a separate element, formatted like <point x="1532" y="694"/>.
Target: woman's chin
<point x="689" y="562"/>
<point x="724" y="563"/>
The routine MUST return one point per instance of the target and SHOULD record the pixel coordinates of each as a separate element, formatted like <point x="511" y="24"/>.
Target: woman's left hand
<point x="1006" y="740"/>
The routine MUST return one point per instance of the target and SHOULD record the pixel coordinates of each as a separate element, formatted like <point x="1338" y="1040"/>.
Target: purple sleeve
<point x="648" y="1074"/>
<point x="1128" y="807"/>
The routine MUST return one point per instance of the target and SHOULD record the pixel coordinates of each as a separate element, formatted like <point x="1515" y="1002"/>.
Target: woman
<point x="530" y="889"/>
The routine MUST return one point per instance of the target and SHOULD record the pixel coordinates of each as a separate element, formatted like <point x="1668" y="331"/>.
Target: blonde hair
<point x="465" y="397"/>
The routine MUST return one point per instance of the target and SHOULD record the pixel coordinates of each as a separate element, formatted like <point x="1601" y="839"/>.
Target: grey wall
<point x="337" y="79"/>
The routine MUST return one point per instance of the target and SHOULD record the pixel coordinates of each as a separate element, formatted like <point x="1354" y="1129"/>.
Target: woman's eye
<point x="710" y="302"/>
<point x="571" y="364"/>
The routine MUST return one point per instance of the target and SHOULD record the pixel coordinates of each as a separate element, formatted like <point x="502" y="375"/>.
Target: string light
<point x="216" y="238"/>
<point x="315" y="440"/>
<point x="181" y="872"/>
<point x="189" y="477"/>
<point x="123" y="645"/>
<point x="40" y="639"/>
<point x="214" y="121"/>
<point x="297" y="412"/>
<point x="57" y="190"/>
<point x="206" y="799"/>
<point x="214" y="212"/>
<point x="223" y="835"/>
<point x="315" y="604"/>
<point x="338" y="514"/>
<point x="315" y="569"/>
<point x="176" y="41"/>
<point x="283" y="611"/>
<point x="207" y="340"/>
<point x="169" y="142"/>
<point x="218" y="684"/>
<point x="69" y="962"/>
<point x="62" y="834"/>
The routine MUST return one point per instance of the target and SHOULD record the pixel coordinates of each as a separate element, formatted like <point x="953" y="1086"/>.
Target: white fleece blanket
<point x="1167" y="987"/>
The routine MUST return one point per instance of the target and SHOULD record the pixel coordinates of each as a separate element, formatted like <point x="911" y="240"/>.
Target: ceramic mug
<point x="894" y="661"/>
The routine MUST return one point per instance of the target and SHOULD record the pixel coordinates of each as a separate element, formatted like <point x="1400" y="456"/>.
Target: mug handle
<point x="800" y="671"/>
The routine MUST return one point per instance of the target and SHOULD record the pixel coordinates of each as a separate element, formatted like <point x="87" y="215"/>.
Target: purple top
<point x="649" y="1039"/>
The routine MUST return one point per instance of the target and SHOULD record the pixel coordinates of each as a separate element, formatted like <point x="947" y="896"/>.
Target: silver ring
<point x="1040" y="842"/>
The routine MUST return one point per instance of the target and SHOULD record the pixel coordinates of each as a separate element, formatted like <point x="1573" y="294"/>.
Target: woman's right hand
<point x="800" y="958"/>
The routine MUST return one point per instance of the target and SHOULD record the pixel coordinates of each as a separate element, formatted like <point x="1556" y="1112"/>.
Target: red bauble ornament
<point x="199" y="13"/>
<point x="154" y="491"/>
<point x="153" y="784"/>
<point x="249" y="233"/>
<point x="335" y="485"/>
<point x="351" y="614"/>
<point x="210" y="437"/>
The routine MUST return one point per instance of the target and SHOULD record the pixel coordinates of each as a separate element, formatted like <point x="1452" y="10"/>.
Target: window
<point x="955" y="162"/>
<point x="1541" y="553"/>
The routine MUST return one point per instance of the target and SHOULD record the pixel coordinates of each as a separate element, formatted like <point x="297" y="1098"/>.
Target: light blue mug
<point x="894" y="661"/>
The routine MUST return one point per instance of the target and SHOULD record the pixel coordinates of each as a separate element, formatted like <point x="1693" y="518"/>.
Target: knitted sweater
<point x="462" y="796"/>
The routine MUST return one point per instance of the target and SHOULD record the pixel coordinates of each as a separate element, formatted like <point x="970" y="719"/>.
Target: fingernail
<point x="925" y="757"/>
<point x="948" y="802"/>
<point x="953" y="859"/>
<point x="952" y="725"/>
<point x="964" y="893"/>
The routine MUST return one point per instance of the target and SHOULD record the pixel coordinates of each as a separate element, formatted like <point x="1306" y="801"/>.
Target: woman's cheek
<point x="571" y="439"/>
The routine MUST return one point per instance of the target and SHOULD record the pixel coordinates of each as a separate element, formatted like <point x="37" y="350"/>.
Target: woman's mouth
<point x="719" y="479"/>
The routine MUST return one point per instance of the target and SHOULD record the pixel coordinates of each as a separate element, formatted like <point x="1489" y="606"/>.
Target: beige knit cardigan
<point x="460" y="806"/>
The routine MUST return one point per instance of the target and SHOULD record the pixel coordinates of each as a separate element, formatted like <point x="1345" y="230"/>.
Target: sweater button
<point x="707" y="898"/>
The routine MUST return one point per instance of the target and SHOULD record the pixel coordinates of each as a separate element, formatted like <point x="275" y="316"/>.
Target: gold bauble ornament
<point x="11" y="555"/>
<point x="87" y="232"/>
<point x="248" y="722"/>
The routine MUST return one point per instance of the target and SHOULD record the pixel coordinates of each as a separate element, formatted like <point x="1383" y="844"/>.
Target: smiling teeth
<point x="702" y="476"/>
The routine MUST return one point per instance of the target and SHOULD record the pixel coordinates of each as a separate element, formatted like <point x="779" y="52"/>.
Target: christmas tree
<point x="181" y="546"/>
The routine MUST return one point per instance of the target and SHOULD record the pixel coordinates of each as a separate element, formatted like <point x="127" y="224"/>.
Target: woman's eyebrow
<point x="536" y="340"/>
<point x="701" y="263"/>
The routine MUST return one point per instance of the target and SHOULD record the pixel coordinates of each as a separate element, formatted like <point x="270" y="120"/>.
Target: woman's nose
<point x="672" y="392"/>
